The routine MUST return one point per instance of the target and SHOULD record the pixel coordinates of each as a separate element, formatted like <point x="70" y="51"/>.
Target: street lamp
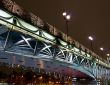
<point x="64" y="14"/>
<point x="102" y="51"/>
<point x="101" y="48"/>
<point x="66" y="18"/>
<point x="91" y="41"/>
<point x="90" y="38"/>
<point x="108" y="55"/>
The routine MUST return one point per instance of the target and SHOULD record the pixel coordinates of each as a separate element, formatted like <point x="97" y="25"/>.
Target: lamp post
<point x="66" y="18"/>
<point x="108" y="57"/>
<point x="102" y="51"/>
<point x="91" y="42"/>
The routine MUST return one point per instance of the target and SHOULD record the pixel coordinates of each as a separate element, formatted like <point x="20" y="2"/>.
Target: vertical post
<point x="66" y="21"/>
<point x="92" y="46"/>
<point x="102" y="51"/>
<point x="66" y="18"/>
<point x="91" y="42"/>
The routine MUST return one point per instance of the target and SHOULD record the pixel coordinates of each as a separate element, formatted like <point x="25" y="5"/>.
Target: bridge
<point x="28" y="41"/>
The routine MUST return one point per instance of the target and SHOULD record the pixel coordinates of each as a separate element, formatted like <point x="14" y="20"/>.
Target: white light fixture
<point x="101" y="48"/>
<point x="64" y="14"/>
<point x="68" y="17"/>
<point x="91" y="38"/>
<point x="108" y="54"/>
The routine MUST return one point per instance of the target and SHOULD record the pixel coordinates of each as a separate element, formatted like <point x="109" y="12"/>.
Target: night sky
<point x="88" y="17"/>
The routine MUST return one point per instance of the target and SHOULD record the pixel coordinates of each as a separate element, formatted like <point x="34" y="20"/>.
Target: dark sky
<point x="89" y="17"/>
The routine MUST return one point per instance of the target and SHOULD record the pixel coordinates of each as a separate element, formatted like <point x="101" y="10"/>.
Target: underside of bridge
<point x="17" y="49"/>
<point x="43" y="64"/>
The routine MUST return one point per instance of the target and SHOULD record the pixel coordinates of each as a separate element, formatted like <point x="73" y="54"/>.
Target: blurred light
<point x="40" y="78"/>
<point x="18" y="65"/>
<point x="91" y="38"/>
<point x="66" y="82"/>
<point x="74" y="78"/>
<point x="108" y="54"/>
<point x="50" y="82"/>
<point x="57" y="82"/>
<point x="68" y="17"/>
<point x="69" y="77"/>
<point x="34" y="76"/>
<point x="64" y="14"/>
<point x="22" y="76"/>
<point x="83" y="79"/>
<point x="101" y="48"/>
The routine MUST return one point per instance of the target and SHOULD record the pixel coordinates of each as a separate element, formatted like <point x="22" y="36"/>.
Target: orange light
<point x="40" y="78"/>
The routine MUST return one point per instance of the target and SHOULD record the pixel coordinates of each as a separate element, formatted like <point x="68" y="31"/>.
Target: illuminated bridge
<point x="29" y="42"/>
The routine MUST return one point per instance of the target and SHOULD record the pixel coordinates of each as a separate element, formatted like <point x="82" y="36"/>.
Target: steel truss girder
<point x="47" y="48"/>
<point x="28" y="43"/>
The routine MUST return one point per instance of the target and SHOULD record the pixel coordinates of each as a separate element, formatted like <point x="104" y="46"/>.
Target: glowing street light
<point x="67" y="17"/>
<point x="108" y="55"/>
<point x="101" y="48"/>
<point x="102" y="51"/>
<point x="91" y="38"/>
<point x="64" y="14"/>
<point x="91" y="41"/>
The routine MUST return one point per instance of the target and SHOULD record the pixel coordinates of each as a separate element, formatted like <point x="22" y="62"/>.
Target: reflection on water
<point x="87" y="83"/>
